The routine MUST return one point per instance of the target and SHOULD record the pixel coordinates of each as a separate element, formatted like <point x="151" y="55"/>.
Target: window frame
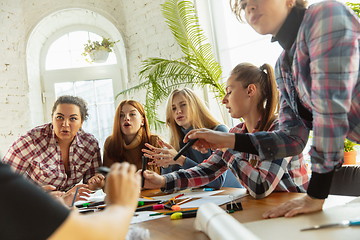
<point x="50" y="77"/>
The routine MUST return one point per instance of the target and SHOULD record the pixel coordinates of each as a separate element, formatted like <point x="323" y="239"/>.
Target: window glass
<point x="100" y="98"/>
<point x="102" y="87"/>
<point x="85" y="89"/>
<point x="106" y="120"/>
<point x="60" y="45"/>
<point x="91" y="125"/>
<point x="66" y="88"/>
<point x="65" y="52"/>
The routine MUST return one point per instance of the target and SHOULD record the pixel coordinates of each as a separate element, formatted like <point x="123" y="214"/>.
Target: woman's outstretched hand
<point x="162" y="157"/>
<point x="210" y="139"/>
<point x="304" y="204"/>
<point x="96" y="182"/>
<point x="83" y="194"/>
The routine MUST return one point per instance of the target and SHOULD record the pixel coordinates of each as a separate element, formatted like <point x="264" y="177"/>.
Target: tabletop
<point x="165" y="228"/>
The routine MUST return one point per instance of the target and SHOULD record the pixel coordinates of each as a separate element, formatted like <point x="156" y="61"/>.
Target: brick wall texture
<point x="140" y="23"/>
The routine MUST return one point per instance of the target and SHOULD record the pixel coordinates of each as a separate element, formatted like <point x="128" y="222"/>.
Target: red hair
<point x="116" y="142"/>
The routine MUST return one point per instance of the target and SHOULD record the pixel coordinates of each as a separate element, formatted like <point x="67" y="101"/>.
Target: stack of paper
<point x="217" y="199"/>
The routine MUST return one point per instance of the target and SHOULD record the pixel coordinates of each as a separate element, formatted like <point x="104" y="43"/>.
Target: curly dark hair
<point x="78" y="101"/>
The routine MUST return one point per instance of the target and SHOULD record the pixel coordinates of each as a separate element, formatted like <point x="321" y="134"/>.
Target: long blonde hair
<point x="201" y="116"/>
<point x="236" y="8"/>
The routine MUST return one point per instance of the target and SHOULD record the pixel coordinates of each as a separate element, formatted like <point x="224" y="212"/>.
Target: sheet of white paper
<point x="356" y="200"/>
<point x="337" y="200"/>
<point x="97" y="196"/>
<point x="218" y="200"/>
<point x="144" y="216"/>
<point x="289" y="228"/>
<point x="187" y="194"/>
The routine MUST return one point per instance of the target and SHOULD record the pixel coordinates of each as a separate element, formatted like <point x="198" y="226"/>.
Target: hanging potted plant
<point x="98" y="52"/>
<point x="349" y="152"/>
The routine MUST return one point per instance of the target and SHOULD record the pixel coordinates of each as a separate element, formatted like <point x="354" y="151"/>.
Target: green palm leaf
<point x="197" y="67"/>
<point x="355" y="7"/>
<point x="183" y="23"/>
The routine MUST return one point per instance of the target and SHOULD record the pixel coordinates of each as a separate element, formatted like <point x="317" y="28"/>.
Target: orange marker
<point x="175" y="207"/>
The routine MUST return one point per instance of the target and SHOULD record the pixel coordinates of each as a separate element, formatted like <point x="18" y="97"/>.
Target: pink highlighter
<point x="158" y="207"/>
<point x="150" y="208"/>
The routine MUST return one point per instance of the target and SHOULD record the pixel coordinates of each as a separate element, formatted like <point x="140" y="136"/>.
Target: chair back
<point x="346" y="181"/>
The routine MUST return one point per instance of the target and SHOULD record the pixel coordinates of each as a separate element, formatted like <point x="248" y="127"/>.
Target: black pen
<point x="89" y="205"/>
<point x="185" y="148"/>
<point x="144" y="163"/>
<point x="96" y="204"/>
<point x="87" y="211"/>
<point x="103" y="170"/>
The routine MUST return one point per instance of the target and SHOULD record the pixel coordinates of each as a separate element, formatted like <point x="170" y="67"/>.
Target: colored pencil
<point x="73" y="201"/>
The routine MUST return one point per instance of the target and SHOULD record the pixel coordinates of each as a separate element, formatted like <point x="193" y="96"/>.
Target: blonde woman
<point x="186" y="111"/>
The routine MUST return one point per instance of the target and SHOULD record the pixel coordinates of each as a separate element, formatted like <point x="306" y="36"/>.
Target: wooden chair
<point x="346" y="181"/>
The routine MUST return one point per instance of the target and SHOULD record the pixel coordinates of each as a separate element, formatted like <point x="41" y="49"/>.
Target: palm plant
<point x="355" y="7"/>
<point x="197" y="68"/>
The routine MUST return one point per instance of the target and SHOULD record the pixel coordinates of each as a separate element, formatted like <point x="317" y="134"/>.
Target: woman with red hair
<point x="130" y="133"/>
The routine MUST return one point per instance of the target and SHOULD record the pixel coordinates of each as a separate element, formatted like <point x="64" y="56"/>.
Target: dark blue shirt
<point x="193" y="158"/>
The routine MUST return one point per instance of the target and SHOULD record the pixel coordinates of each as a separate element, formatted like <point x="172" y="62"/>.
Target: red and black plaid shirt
<point x="37" y="155"/>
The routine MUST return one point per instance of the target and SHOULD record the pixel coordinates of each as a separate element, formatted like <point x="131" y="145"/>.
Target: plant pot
<point x="350" y="158"/>
<point x="99" y="56"/>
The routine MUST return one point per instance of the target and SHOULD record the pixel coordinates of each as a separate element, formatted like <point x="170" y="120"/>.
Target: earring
<point x="290" y="5"/>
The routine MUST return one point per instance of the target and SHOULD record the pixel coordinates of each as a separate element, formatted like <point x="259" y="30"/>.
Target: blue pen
<point x="201" y="189"/>
<point x="345" y="223"/>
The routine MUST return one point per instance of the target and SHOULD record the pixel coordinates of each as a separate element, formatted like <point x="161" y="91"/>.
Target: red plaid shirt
<point x="283" y="174"/>
<point x="37" y="155"/>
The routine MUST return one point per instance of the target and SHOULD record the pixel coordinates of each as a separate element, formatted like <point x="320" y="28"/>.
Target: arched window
<point x="64" y="71"/>
<point x="65" y="52"/>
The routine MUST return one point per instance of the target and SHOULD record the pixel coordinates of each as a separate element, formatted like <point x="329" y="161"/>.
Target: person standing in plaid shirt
<point x="318" y="78"/>
<point x="60" y="153"/>
<point x="251" y="94"/>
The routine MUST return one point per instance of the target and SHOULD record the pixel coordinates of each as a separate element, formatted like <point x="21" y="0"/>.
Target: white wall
<point x="140" y="23"/>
